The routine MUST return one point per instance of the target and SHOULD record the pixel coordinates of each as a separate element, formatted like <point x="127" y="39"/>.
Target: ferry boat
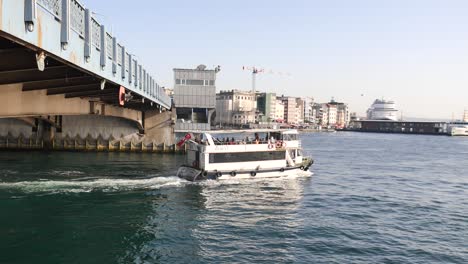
<point x="243" y="154"/>
<point x="382" y="109"/>
<point x="457" y="128"/>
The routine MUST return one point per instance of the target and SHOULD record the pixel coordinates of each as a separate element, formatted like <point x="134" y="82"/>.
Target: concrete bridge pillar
<point x="159" y="126"/>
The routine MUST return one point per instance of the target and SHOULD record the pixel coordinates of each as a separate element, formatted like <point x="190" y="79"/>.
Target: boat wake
<point x="89" y="184"/>
<point x="96" y="184"/>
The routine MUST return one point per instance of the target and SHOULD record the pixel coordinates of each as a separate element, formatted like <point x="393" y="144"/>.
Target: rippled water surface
<point x="373" y="198"/>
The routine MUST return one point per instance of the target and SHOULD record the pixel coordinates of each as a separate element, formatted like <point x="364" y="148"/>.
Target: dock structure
<point x="400" y="127"/>
<point x="60" y="65"/>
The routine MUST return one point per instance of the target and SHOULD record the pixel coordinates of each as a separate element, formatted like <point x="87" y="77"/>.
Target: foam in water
<point x="106" y="185"/>
<point x="151" y="182"/>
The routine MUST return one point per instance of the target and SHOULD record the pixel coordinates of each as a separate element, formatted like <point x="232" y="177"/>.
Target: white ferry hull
<point x="459" y="131"/>
<point x="192" y="174"/>
<point x="278" y="154"/>
<point x="272" y="174"/>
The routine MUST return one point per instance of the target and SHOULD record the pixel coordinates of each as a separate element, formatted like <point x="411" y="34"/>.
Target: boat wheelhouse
<point x="243" y="154"/>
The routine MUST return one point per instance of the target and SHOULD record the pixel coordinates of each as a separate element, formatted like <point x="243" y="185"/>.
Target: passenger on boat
<point x="257" y="138"/>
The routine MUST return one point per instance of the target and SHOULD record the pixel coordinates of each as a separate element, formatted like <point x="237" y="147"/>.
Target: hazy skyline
<point x="414" y="52"/>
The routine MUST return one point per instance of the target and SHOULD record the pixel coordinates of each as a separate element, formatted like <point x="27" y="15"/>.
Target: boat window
<point x="246" y="156"/>
<point x="250" y="138"/>
<point x="292" y="153"/>
<point x="275" y="135"/>
<point x="226" y="140"/>
<point x="288" y="137"/>
<point x="300" y="153"/>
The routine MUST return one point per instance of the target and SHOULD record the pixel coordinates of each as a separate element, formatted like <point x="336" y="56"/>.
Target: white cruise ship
<point x="382" y="109"/>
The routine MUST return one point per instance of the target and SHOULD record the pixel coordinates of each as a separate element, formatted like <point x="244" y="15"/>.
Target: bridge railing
<point x="66" y="28"/>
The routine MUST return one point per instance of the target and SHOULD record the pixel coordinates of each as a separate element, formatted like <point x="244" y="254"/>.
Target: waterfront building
<point x="332" y="114"/>
<point x="194" y="97"/>
<point x="293" y="109"/>
<point x="300" y="105"/>
<point x="354" y="117"/>
<point x="382" y="109"/>
<point x="343" y="115"/>
<point x="266" y="106"/>
<point x="236" y="107"/>
<point x="309" y="116"/>
<point x="317" y="110"/>
<point x="279" y="116"/>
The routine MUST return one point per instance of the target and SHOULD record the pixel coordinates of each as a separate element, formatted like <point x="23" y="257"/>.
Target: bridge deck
<point x="82" y="59"/>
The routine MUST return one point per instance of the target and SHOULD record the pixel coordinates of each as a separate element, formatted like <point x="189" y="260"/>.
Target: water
<point x="373" y="198"/>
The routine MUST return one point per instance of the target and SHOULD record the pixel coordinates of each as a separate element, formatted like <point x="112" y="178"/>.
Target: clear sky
<point x="412" y="51"/>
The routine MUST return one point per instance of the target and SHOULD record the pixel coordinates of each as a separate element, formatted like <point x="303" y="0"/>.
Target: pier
<point x="400" y="127"/>
<point x="67" y="82"/>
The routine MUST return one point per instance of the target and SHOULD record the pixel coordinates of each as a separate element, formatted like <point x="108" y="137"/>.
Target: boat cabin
<point x="244" y="150"/>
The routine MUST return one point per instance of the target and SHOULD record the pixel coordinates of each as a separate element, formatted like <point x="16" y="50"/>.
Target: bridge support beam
<point x="16" y="103"/>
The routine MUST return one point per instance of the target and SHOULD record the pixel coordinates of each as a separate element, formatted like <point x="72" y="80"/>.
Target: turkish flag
<point x="183" y="140"/>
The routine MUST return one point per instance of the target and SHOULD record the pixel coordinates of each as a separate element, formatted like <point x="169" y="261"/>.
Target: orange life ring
<point x="279" y="144"/>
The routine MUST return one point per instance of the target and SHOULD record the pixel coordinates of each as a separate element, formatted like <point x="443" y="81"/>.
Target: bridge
<point x="59" y="65"/>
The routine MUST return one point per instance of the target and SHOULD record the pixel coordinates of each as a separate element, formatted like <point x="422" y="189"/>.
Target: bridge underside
<point x="63" y="104"/>
<point x="63" y="76"/>
<point x="18" y="65"/>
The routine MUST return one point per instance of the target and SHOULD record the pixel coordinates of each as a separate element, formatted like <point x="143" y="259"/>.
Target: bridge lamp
<point x="30" y="26"/>
<point x="103" y="84"/>
<point x="40" y="59"/>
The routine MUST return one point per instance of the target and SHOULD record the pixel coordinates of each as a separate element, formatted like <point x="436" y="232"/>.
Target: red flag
<point x="183" y="140"/>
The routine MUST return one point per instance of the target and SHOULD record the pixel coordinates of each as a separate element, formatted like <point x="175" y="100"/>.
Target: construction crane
<point x="254" y="71"/>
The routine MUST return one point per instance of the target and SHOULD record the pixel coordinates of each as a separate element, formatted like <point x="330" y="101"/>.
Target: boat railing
<point x="241" y="142"/>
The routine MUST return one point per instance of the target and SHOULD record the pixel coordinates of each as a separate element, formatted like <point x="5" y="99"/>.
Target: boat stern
<point x="307" y="163"/>
<point x="189" y="173"/>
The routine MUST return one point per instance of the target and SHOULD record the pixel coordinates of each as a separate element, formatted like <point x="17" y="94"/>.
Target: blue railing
<point x="71" y="26"/>
<point x="53" y="6"/>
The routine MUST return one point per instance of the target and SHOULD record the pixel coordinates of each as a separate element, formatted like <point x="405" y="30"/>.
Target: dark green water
<point x="374" y="198"/>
